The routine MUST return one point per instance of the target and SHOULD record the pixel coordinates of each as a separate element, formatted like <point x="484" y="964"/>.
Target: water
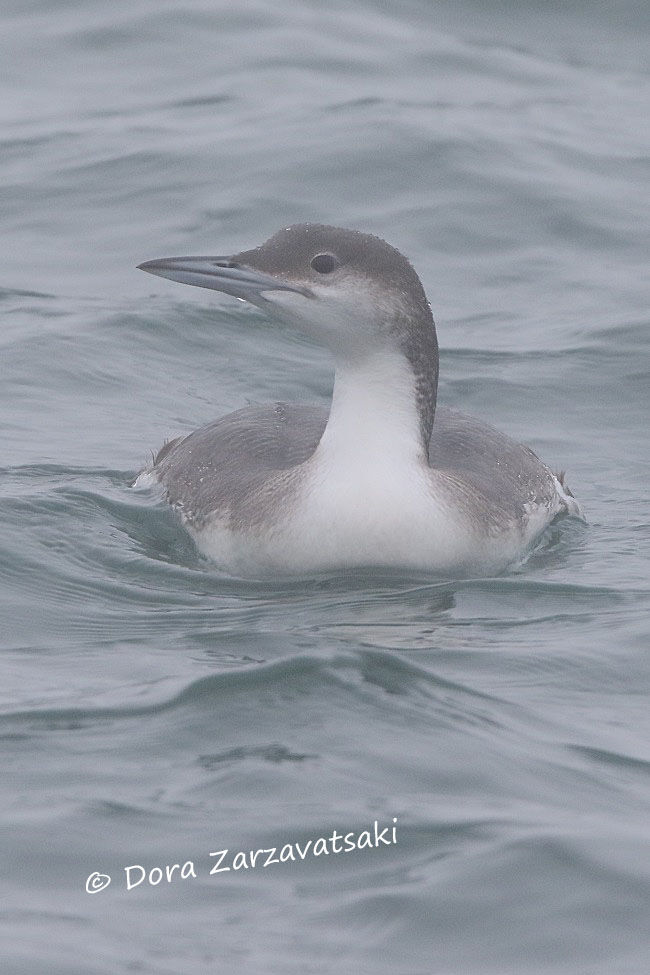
<point x="154" y="711"/>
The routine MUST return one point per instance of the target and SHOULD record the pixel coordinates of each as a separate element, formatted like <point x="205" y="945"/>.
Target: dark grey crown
<point x="292" y="250"/>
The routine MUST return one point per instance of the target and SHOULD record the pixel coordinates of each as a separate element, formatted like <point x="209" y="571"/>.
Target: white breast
<point x="342" y="518"/>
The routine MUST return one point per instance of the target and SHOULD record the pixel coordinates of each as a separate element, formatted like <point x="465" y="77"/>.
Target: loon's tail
<point x="568" y="503"/>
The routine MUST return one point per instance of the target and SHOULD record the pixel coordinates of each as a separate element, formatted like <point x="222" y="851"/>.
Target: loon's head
<point x="350" y="291"/>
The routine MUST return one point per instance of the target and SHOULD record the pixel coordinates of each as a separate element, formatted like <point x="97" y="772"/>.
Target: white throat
<point x="373" y="421"/>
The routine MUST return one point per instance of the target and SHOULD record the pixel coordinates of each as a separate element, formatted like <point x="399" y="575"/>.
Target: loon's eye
<point x="325" y="263"/>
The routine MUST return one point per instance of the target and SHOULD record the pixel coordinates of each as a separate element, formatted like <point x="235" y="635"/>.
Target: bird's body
<point x="382" y="478"/>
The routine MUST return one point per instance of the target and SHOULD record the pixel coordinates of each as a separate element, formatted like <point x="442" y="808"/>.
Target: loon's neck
<point x="374" y="420"/>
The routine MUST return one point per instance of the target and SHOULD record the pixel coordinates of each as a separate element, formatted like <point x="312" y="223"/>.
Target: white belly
<point x="378" y="518"/>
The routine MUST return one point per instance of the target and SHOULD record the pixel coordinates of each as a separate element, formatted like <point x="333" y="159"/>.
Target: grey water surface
<point x="155" y="711"/>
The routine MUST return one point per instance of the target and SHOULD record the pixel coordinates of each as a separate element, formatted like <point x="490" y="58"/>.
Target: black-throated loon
<point x="382" y="477"/>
